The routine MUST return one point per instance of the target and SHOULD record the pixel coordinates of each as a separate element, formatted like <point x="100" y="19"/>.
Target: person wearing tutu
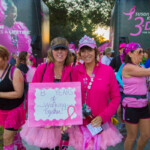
<point x="12" y="112"/>
<point x="99" y="86"/>
<point x="58" y="69"/>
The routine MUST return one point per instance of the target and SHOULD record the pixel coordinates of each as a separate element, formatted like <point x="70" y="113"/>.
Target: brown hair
<point x="89" y="48"/>
<point x="4" y="53"/>
<point x="127" y="58"/>
<point x="59" y="41"/>
<point x="148" y="52"/>
<point x="22" y="57"/>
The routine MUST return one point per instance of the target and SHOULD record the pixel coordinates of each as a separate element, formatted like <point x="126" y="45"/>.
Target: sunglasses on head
<point x="59" y="48"/>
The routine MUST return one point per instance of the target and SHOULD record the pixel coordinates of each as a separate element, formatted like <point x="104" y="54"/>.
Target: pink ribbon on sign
<point x="132" y="11"/>
<point x="69" y="115"/>
<point x="88" y="136"/>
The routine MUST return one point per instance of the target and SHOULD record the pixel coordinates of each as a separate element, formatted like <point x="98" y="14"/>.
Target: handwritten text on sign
<point x="54" y="104"/>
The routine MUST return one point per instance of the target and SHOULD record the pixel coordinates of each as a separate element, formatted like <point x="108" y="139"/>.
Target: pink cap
<point x="122" y="45"/>
<point x="87" y="41"/>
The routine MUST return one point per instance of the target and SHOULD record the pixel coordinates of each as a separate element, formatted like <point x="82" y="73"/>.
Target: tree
<point x="74" y="18"/>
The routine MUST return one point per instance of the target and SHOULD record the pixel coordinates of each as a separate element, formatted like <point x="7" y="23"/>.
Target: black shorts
<point x="133" y="115"/>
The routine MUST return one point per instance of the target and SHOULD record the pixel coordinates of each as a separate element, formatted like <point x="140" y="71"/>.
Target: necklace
<point x="87" y="87"/>
<point x="4" y="72"/>
<point x="57" y="76"/>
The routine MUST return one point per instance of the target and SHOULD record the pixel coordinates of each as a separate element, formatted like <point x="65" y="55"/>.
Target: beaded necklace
<point x="87" y="87"/>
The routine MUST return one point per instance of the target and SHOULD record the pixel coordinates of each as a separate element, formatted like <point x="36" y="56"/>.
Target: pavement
<point x="117" y="147"/>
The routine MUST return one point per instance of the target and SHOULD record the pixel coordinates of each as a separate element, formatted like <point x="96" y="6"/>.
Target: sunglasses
<point x="140" y="52"/>
<point x="60" y="48"/>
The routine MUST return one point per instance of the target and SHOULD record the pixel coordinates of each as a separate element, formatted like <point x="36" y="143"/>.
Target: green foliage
<point x="74" y="18"/>
<point x="1" y="138"/>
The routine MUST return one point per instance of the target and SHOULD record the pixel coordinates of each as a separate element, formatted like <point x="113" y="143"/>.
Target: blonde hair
<point x="4" y="53"/>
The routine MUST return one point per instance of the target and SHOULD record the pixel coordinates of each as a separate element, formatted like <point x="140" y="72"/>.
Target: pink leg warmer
<point x="9" y="147"/>
<point x="18" y="142"/>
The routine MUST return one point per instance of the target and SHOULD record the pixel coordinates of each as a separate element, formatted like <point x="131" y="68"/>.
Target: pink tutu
<point x="41" y="137"/>
<point x="110" y="136"/>
<point x="50" y="138"/>
<point x="14" y="118"/>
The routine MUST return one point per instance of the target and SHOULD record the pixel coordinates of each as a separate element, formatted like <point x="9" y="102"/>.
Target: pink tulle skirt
<point x="50" y="138"/>
<point x="14" y="118"/>
<point x="110" y="136"/>
<point x="40" y="136"/>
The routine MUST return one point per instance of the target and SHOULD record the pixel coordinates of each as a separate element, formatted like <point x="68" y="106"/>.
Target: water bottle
<point x="64" y="141"/>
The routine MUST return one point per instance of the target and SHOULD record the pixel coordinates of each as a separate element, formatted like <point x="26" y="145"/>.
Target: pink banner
<point x="54" y="104"/>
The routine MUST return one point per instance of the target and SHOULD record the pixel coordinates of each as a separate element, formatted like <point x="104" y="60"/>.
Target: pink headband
<point x="129" y="48"/>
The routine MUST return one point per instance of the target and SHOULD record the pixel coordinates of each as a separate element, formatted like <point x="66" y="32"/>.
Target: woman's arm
<point x="130" y="70"/>
<point x="18" y="84"/>
<point x="119" y="75"/>
<point x="115" y="98"/>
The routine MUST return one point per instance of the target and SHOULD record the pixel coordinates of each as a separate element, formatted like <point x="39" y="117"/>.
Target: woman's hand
<point x="97" y="121"/>
<point x="64" y="128"/>
<point x="47" y="127"/>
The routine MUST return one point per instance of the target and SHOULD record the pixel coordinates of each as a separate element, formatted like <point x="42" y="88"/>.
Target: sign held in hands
<point x="54" y="104"/>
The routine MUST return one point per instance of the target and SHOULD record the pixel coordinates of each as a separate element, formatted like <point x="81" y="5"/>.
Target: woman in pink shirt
<point x="58" y="69"/>
<point x="135" y="104"/>
<point x="99" y="85"/>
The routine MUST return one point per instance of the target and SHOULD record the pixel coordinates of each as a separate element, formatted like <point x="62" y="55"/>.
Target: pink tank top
<point x="134" y="86"/>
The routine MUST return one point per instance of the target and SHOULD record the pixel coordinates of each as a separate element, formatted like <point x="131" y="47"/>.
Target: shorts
<point x="133" y="115"/>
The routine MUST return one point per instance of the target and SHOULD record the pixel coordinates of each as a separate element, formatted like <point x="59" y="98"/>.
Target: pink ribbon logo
<point x="69" y="109"/>
<point x="130" y="14"/>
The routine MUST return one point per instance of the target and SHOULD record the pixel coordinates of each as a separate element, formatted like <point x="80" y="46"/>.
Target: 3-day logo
<point x="142" y="19"/>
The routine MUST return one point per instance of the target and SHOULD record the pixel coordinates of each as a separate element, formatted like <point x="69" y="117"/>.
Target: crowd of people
<point x="108" y="85"/>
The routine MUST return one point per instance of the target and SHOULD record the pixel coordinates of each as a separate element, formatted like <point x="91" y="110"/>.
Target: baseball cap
<point x="87" y="41"/>
<point x="108" y="50"/>
<point x="59" y="42"/>
<point x="122" y="45"/>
